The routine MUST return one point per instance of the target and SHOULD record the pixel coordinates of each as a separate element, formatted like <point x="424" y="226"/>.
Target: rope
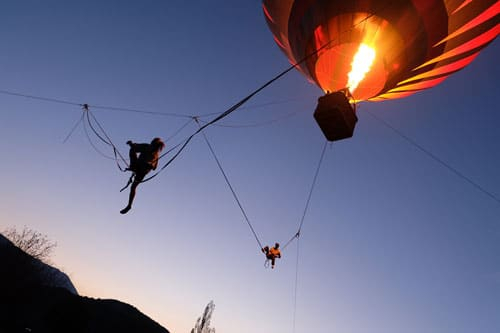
<point x="296" y="287"/>
<point x="225" y="114"/>
<point x="86" y="131"/>
<point x="87" y="113"/>
<point x="108" y="141"/>
<point x="435" y="158"/>
<point x="297" y="234"/>
<point x="80" y="120"/>
<point x="312" y="186"/>
<point x="46" y="99"/>
<point x="179" y="130"/>
<point x="102" y="107"/>
<point x="231" y="188"/>
<point x="114" y="108"/>
<point x="254" y="106"/>
<point x="262" y="123"/>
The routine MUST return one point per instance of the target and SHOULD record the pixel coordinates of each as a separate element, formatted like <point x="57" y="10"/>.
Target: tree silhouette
<point x="203" y="323"/>
<point x="36" y="269"/>
<point x="32" y="242"/>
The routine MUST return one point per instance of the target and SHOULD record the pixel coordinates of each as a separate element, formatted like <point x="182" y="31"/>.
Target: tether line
<point x="435" y="158"/>
<point x="297" y="234"/>
<point x="108" y="141"/>
<point x="232" y="190"/>
<point x="74" y="127"/>
<point x="296" y="287"/>
<point x="114" y="108"/>
<point x="312" y="186"/>
<point x="40" y="98"/>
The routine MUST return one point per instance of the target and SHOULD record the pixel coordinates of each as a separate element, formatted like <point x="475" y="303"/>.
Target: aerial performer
<point x="377" y="50"/>
<point x="272" y="253"/>
<point x="143" y="158"/>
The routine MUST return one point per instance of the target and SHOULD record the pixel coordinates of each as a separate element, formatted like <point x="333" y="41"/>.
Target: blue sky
<point x="393" y="241"/>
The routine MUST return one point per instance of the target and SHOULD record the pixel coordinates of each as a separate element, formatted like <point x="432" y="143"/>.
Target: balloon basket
<point x="335" y="116"/>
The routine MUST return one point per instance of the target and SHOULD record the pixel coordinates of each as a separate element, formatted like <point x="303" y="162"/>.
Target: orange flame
<point x="360" y="65"/>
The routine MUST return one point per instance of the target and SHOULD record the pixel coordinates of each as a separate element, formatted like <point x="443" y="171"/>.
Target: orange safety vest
<point x="274" y="252"/>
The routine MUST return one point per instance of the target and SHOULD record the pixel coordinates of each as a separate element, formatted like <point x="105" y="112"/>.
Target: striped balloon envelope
<point x="381" y="49"/>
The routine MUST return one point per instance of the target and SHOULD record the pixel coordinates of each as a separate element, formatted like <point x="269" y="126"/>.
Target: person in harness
<point x="143" y="158"/>
<point x="272" y="253"/>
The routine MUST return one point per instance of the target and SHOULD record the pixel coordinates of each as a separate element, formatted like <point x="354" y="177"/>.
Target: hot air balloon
<point x="377" y="50"/>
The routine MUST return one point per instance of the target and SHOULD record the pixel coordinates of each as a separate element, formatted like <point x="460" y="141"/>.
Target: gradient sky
<point x="393" y="241"/>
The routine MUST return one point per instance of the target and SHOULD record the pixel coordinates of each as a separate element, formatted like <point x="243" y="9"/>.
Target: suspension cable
<point x="179" y="130"/>
<point x="102" y="107"/>
<point x="92" y="144"/>
<point x="254" y="106"/>
<point x="114" y="108"/>
<point x="80" y="120"/>
<point x="296" y="286"/>
<point x="261" y="123"/>
<point x="435" y="158"/>
<point x="297" y="234"/>
<point x="312" y="186"/>
<point x="225" y="114"/>
<point x="231" y="188"/>
<point x="40" y="98"/>
<point x="108" y="141"/>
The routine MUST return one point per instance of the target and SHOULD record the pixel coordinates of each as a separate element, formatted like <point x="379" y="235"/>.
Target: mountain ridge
<point x="37" y="297"/>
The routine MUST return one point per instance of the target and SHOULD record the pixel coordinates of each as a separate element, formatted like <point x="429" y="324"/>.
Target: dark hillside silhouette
<point x="37" y="297"/>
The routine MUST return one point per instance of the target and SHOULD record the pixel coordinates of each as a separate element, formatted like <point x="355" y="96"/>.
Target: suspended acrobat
<point x="272" y="253"/>
<point x="143" y="158"/>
